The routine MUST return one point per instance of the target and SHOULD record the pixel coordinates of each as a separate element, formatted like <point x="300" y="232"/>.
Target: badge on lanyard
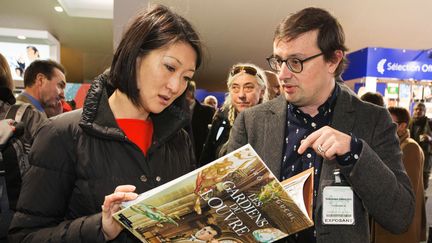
<point x="338" y="202"/>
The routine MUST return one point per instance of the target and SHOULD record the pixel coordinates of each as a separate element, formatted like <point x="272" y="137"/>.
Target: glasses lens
<point x="273" y="63"/>
<point x="295" y="65"/>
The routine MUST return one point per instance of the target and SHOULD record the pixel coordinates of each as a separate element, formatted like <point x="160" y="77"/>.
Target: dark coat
<point x="201" y="117"/>
<point x="83" y="155"/>
<point x="217" y="137"/>
<point x="378" y="178"/>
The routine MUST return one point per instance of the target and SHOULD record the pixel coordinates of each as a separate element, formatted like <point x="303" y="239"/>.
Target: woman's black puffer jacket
<point x="81" y="156"/>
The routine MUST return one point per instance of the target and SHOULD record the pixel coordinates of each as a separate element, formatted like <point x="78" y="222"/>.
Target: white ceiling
<point x="240" y="30"/>
<point x="88" y="8"/>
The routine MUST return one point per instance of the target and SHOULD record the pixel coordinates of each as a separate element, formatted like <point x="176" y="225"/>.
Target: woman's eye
<point x="169" y="68"/>
<point x="187" y="79"/>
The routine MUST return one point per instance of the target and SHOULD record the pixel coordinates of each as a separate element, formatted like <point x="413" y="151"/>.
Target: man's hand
<point x="327" y="142"/>
<point x="425" y="138"/>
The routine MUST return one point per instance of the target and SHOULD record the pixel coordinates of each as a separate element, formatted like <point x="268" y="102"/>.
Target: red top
<point x="138" y="131"/>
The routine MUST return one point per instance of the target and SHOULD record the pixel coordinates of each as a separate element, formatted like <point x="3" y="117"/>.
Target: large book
<point x="236" y="198"/>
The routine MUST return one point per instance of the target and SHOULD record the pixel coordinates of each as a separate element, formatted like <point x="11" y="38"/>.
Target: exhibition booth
<point x="402" y="76"/>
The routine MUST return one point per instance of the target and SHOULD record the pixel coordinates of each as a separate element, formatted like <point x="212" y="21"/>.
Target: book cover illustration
<point x="234" y="199"/>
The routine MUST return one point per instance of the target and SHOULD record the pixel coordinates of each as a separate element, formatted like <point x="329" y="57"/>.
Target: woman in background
<point x="127" y="138"/>
<point x="246" y="88"/>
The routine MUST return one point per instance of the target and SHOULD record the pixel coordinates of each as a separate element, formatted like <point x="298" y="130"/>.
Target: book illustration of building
<point x="237" y="193"/>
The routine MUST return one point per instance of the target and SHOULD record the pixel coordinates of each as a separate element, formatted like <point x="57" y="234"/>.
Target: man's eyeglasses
<point x="294" y="64"/>
<point x="247" y="69"/>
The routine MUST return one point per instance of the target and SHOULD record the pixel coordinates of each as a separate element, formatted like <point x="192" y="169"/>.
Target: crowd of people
<point x="142" y="126"/>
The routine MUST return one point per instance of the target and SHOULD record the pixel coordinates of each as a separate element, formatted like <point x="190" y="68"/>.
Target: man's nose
<point x="284" y="72"/>
<point x="242" y="93"/>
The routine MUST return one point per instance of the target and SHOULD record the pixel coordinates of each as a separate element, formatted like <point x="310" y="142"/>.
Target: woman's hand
<point x="111" y="205"/>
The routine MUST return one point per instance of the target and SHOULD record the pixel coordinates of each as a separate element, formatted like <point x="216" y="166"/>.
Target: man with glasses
<point x="318" y="122"/>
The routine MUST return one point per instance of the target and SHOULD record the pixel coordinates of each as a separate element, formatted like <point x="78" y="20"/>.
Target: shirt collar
<point x="324" y="109"/>
<point x="34" y="102"/>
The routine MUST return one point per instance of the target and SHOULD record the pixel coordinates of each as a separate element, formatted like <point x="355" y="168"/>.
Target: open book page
<point x="300" y="189"/>
<point x="235" y="198"/>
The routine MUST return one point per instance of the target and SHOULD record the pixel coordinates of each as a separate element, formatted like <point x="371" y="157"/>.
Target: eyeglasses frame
<point x="291" y="58"/>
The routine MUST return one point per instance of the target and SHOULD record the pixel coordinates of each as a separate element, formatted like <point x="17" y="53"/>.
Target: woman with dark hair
<point x="127" y="138"/>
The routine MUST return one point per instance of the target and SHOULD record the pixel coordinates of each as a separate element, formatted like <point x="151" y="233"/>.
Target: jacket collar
<point x="98" y="119"/>
<point x="343" y="121"/>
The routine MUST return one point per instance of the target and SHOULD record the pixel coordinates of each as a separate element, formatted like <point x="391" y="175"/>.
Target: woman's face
<point x="245" y="92"/>
<point x="162" y="75"/>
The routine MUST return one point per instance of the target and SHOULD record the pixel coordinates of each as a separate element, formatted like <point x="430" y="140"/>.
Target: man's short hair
<point x="400" y="113"/>
<point x="374" y="98"/>
<point x="45" y="67"/>
<point x="330" y="33"/>
<point x="421" y="105"/>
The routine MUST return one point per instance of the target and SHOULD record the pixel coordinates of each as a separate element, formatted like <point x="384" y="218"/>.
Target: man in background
<point x="44" y="83"/>
<point x="413" y="159"/>
<point x="201" y="117"/>
<point x="212" y="101"/>
<point x="374" y="98"/>
<point x="273" y="89"/>
<point x="422" y="134"/>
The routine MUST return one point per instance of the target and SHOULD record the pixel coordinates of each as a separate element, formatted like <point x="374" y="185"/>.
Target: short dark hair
<point x="45" y="67"/>
<point x="420" y="104"/>
<point x="330" y="33"/>
<point x="217" y="229"/>
<point x="374" y="98"/>
<point x="400" y="113"/>
<point x="150" y="30"/>
<point x="33" y="48"/>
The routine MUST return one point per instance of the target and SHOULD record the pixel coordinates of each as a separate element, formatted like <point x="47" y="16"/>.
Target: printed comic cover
<point x="234" y="199"/>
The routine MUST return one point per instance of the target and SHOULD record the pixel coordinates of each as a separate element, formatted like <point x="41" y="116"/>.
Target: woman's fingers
<point x="125" y="188"/>
<point x="118" y="197"/>
<point x="112" y="202"/>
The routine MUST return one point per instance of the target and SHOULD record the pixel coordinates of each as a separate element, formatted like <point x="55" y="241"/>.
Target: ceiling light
<point x="58" y="9"/>
<point x="21" y="37"/>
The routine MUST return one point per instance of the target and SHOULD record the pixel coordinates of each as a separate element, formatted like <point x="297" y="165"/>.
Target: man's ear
<point x="404" y="125"/>
<point x="334" y="62"/>
<point x="262" y="92"/>
<point x="39" y="79"/>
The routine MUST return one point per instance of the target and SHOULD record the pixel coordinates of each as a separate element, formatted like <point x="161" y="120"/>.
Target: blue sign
<point x="200" y="94"/>
<point x="389" y="63"/>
